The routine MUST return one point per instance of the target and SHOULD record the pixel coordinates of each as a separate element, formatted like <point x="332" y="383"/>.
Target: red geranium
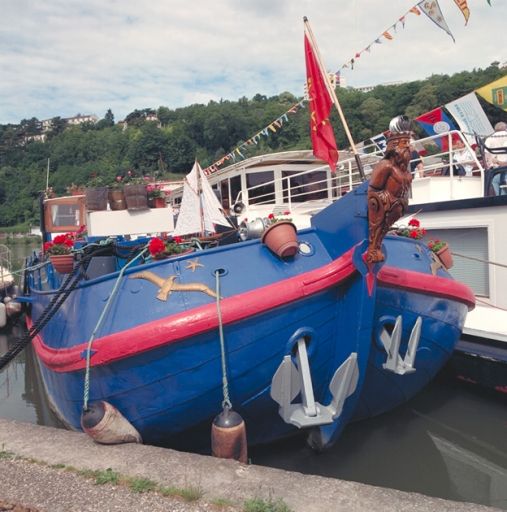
<point x="414" y="222"/>
<point x="156" y="246"/>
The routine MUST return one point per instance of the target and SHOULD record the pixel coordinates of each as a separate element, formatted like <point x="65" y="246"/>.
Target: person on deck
<point x="497" y="140"/>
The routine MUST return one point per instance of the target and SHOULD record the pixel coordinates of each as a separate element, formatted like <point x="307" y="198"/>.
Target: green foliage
<point x="169" y="146"/>
<point x="142" y="485"/>
<point x="260" y="505"/>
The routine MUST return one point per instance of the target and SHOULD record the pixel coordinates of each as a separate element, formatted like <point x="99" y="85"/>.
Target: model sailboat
<point x="200" y="209"/>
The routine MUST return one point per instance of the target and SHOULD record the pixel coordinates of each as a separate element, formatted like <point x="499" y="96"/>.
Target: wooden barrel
<point x="96" y="198"/>
<point x="136" y="197"/>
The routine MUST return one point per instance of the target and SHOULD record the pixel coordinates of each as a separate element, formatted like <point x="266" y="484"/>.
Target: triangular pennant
<point x="432" y="9"/>
<point x="387" y="35"/>
<point x="415" y="11"/>
<point x="402" y="21"/>
<point x="463" y="7"/>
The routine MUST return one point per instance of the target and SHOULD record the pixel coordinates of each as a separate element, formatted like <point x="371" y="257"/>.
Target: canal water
<point x="450" y="441"/>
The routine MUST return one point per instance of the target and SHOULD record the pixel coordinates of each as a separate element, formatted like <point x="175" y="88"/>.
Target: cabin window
<point x="304" y="187"/>
<point x="235" y="184"/>
<point x="261" y="188"/>
<point x="64" y="214"/>
<point x="469" y="242"/>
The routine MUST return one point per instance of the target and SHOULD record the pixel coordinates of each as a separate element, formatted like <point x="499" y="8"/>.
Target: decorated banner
<point x="463" y="7"/>
<point x="321" y="131"/>
<point x="495" y="93"/>
<point x="470" y="116"/>
<point x="432" y="9"/>
<point x="436" y="122"/>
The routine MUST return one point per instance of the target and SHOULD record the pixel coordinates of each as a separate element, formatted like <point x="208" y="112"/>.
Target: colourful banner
<point x="432" y="9"/>
<point x="436" y="122"/>
<point x="463" y="7"/>
<point x="321" y="131"/>
<point x="470" y="116"/>
<point x="495" y="93"/>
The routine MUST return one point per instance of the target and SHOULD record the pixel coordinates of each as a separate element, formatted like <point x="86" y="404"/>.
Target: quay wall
<point x="217" y="478"/>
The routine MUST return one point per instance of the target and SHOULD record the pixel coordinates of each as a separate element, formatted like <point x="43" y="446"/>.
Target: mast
<point x="332" y="94"/>
<point x="47" y="176"/>
<point x="200" y="195"/>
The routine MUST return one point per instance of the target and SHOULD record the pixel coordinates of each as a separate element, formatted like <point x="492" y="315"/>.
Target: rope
<point x="86" y="391"/>
<point x="480" y="260"/>
<point x="486" y="303"/>
<point x="226" y="403"/>
<point x="69" y="284"/>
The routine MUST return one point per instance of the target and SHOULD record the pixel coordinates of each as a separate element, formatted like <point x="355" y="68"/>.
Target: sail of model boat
<point x="200" y="209"/>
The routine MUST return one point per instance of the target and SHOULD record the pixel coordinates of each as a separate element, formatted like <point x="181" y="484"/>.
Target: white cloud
<point x="60" y="57"/>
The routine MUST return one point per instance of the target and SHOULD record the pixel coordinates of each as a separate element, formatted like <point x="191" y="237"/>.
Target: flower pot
<point x="159" y="202"/>
<point x="62" y="263"/>
<point x="136" y="197"/>
<point x="281" y="238"/>
<point x="445" y="256"/>
<point x="117" y="199"/>
<point x="96" y="198"/>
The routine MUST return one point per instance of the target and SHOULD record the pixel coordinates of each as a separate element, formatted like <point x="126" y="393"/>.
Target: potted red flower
<point x="160" y="249"/>
<point x="60" y="253"/>
<point x="413" y="230"/>
<point x="443" y="251"/>
<point x="281" y="235"/>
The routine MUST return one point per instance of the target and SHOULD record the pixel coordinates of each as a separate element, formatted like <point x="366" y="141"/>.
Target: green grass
<point x="107" y="477"/>
<point x="186" y="493"/>
<point x="6" y="455"/>
<point x="260" y="505"/>
<point x="141" y="485"/>
<point x="222" y="503"/>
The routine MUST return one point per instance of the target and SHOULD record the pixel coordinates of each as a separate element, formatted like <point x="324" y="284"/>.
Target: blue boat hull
<point x="159" y="361"/>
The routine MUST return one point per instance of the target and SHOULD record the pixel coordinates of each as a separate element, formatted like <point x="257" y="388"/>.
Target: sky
<point x="63" y="57"/>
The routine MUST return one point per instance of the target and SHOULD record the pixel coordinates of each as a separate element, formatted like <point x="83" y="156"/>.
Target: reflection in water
<point x="22" y="394"/>
<point x="450" y="441"/>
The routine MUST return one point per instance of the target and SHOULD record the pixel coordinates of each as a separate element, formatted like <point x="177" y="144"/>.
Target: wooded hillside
<point x="205" y="132"/>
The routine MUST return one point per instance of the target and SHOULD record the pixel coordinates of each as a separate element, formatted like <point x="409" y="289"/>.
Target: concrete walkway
<point x="35" y="462"/>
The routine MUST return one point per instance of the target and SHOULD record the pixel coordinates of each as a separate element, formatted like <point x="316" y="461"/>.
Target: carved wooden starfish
<point x="167" y="286"/>
<point x="193" y="264"/>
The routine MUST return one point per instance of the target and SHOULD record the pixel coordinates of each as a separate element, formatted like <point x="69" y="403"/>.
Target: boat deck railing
<point x="437" y="153"/>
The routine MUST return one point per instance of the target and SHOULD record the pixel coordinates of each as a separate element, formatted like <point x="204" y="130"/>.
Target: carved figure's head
<point x="400" y="129"/>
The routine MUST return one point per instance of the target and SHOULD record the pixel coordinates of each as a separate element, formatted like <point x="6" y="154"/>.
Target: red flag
<point x="321" y="131"/>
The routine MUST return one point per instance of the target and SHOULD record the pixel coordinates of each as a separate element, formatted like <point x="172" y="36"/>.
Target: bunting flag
<point x="470" y="116"/>
<point x="321" y="131"/>
<point x="435" y="122"/>
<point x="432" y="9"/>
<point x="252" y="141"/>
<point x="415" y="11"/>
<point x="463" y="7"/>
<point x="495" y="93"/>
<point x="387" y="35"/>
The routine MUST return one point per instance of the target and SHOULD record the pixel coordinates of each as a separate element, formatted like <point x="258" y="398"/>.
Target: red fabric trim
<point x="426" y="283"/>
<point x="196" y="321"/>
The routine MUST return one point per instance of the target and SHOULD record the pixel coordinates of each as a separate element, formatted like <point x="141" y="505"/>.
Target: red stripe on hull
<point x="197" y="321"/>
<point x="426" y="283"/>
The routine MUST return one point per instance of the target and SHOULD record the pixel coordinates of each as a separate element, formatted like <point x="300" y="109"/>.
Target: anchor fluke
<point x="290" y="380"/>
<point x="394" y="362"/>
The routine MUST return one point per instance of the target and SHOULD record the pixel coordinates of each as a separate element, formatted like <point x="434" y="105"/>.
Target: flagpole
<point x="333" y="96"/>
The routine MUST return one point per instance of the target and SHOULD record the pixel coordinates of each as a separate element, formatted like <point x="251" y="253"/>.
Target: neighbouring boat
<point x="305" y="342"/>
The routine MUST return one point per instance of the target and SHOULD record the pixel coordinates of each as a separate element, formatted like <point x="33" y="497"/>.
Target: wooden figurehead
<point x="389" y="187"/>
